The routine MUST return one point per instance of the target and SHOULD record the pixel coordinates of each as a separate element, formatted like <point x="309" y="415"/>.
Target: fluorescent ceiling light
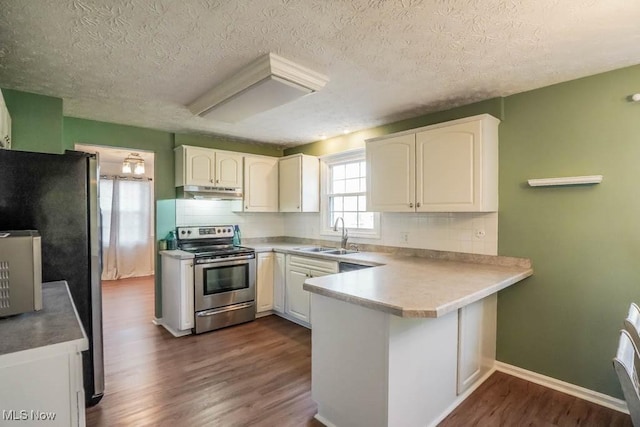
<point x="264" y="84"/>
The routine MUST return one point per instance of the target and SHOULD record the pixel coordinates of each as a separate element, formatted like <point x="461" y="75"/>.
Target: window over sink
<point x="344" y="194"/>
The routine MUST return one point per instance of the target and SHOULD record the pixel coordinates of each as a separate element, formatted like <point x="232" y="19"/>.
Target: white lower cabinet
<point x="177" y="295"/>
<point x="264" y="282"/>
<point x="297" y="300"/>
<point x="476" y="341"/>
<point x="42" y="386"/>
<point x="279" y="277"/>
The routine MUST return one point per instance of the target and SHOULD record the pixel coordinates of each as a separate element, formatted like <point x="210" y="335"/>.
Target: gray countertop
<point x="425" y="284"/>
<point x="56" y="323"/>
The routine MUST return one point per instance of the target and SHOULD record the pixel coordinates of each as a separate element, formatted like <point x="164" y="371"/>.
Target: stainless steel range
<point x="224" y="277"/>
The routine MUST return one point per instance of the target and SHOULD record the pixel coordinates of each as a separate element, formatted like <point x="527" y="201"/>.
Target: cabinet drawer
<point x="314" y="263"/>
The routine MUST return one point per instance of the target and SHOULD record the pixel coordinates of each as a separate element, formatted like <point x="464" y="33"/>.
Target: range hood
<point x="209" y="193"/>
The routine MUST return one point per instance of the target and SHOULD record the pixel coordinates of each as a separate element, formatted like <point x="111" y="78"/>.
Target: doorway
<point x="126" y="204"/>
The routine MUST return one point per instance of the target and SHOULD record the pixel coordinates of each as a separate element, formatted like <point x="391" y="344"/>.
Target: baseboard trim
<point x="177" y="333"/>
<point x="323" y="420"/>
<point x="564" y="387"/>
<point x="461" y="398"/>
<point x="157" y="321"/>
<point x="264" y="314"/>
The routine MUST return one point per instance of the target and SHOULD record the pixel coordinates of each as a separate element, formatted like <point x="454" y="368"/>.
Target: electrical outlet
<point x="404" y="237"/>
<point x="480" y="234"/>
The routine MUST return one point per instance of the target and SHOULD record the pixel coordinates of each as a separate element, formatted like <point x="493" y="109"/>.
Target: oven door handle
<point x="215" y="311"/>
<point x="221" y="262"/>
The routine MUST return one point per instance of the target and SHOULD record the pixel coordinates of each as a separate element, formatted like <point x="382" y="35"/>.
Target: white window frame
<point x="325" y="229"/>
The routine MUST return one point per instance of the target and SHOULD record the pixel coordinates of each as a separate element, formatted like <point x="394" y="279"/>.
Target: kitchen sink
<point x="315" y="249"/>
<point x="327" y="251"/>
<point x="339" y="252"/>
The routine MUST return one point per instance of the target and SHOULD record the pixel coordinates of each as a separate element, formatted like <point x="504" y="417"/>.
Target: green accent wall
<point x="36" y="121"/>
<point x="354" y="140"/>
<point x="222" y="143"/>
<point x="584" y="241"/>
<point x="82" y="131"/>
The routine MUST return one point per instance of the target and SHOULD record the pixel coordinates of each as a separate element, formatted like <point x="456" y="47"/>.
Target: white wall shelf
<point x="567" y="180"/>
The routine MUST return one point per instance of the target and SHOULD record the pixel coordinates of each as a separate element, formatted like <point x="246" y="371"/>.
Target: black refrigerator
<point x="57" y="194"/>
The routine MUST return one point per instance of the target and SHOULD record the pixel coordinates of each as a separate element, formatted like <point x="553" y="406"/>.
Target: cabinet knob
<point x="246" y="207"/>
<point x="411" y="204"/>
<point x="211" y="181"/>
<point x="297" y="207"/>
<point x="418" y="205"/>
<point x="217" y="181"/>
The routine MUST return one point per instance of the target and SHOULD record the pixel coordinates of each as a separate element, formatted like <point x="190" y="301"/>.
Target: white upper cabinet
<point x="391" y="174"/>
<point x="207" y="167"/>
<point x="299" y="183"/>
<point x="448" y="167"/>
<point x="228" y="169"/>
<point x="260" y="184"/>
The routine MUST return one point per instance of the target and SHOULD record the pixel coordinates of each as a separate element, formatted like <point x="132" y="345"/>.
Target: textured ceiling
<point x="139" y="62"/>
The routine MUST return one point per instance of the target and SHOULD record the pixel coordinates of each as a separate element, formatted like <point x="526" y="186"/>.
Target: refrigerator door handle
<point x="95" y="235"/>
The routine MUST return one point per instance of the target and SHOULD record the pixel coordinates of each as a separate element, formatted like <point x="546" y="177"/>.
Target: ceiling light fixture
<point x="133" y="162"/>
<point x="264" y="84"/>
<point x="346" y="131"/>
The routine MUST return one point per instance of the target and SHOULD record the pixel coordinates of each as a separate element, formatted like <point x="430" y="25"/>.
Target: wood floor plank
<point x="259" y="374"/>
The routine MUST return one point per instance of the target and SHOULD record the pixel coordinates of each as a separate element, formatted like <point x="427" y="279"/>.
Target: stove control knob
<point x="188" y="232"/>
<point x="182" y="232"/>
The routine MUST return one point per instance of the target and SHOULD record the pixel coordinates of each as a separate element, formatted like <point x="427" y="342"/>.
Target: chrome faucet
<point x="345" y="233"/>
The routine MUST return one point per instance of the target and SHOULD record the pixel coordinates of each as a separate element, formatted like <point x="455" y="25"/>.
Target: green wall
<point x="583" y="240"/>
<point x="36" y="121"/>
<point x="222" y="143"/>
<point x="81" y="131"/>
<point x="353" y="140"/>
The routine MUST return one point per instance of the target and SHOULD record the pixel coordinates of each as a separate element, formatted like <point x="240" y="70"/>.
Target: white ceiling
<point x="139" y="62"/>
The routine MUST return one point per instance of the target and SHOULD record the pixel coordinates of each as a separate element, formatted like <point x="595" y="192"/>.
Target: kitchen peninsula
<point x="405" y="342"/>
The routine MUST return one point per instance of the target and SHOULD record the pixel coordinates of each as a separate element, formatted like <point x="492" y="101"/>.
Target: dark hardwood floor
<point x="259" y="374"/>
<point x="504" y="400"/>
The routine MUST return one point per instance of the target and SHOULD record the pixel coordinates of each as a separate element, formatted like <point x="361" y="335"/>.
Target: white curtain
<point x="127" y="228"/>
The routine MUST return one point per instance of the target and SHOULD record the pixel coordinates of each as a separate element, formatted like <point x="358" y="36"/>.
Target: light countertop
<point x="413" y="286"/>
<point x="57" y="323"/>
<point x="178" y="254"/>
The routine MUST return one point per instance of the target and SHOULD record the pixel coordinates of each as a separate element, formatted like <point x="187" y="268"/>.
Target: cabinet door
<point x="290" y="180"/>
<point x="448" y="168"/>
<point x="199" y="166"/>
<point x="279" y="276"/>
<point x="297" y="301"/>
<point x="391" y="175"/>
<point x="228" y="170"/>
<point x="260" y="184"/>
<point x="476" y="341"/>
<point x="264" y="282"/>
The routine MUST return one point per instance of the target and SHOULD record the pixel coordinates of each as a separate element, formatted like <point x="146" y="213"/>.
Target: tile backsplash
<point x="457" y="232"/>
<point x="223" y="212"/>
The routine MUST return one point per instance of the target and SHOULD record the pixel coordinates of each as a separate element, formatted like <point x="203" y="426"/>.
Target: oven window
<point x="225" y="279"/>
